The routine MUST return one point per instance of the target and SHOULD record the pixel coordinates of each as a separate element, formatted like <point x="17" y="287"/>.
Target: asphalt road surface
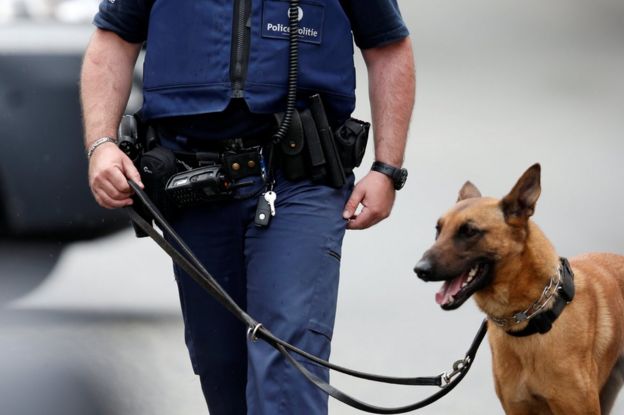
<point x="501" y="85"/>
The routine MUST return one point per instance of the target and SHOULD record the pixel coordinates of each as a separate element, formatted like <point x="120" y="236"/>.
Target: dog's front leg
<point x="552" y="407"/>
<point x="561" y="398"/>
<point x="517" y="399"/>
<point x="573" y="402"/>
<point x="526" y="408"/>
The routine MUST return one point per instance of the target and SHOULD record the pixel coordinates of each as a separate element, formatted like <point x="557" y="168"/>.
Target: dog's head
<point x="476" y="237"/>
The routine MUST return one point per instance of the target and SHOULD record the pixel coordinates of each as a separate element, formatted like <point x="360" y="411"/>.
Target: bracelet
<point x="98" y="143"/>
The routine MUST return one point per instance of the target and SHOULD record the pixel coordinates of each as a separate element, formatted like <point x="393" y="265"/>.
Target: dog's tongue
<point x="449" y="288"/>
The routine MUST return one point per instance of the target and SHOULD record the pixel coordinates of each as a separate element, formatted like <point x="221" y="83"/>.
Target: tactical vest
<point x="200" y="54"/>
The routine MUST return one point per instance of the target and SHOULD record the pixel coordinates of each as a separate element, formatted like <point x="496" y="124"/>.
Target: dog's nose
<point x="423" y="269"/>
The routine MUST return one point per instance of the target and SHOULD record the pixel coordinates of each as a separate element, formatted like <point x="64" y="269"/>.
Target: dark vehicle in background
<point x="44" y="194"/>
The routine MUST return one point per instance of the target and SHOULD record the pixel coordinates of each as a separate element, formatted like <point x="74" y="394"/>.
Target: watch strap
<point x="397" y="174"/>
<point x="384" y="168"/>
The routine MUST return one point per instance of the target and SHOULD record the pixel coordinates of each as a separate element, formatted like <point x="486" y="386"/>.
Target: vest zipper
<point x="241" y="35"/>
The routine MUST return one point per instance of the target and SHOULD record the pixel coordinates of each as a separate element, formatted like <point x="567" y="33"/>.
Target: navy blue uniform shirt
<point x="374" y="23"/>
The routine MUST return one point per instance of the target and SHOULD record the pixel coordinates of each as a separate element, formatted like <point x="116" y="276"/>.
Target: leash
<point x="184" y="257"/>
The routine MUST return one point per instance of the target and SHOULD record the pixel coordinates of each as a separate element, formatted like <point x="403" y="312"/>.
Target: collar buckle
<point x="520" y="317"/>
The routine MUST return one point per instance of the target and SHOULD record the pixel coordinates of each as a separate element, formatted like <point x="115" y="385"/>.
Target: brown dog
<point x="490" y="249"/>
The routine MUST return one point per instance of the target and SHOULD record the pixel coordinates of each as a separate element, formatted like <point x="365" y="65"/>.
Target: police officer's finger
<point x="371" y="214"/>
<point x="107" y="202"/>
<point x="131" y="172"/>
<point x="354" y="200"/>
<point x="365" y="219"/>
<point x="118" y="179"/>
<point x="112" y="192"/>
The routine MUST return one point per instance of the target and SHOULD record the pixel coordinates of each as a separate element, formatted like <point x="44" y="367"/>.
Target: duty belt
<point x="239" y="157"/>
<point x="236" y="164"/>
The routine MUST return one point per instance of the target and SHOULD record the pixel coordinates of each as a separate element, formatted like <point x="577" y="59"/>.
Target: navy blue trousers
<point x="285" y="276"/>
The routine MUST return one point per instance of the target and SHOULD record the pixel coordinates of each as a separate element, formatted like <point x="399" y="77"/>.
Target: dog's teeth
<point x="471" y="274"/>
<point x="464" y="284"/>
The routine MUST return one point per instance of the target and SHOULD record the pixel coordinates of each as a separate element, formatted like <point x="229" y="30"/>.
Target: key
<point x="270" y="197"/>
<point x="263" y="212"/>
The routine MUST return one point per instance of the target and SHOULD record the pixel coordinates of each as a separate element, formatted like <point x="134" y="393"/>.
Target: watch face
<point x="400" y="179"/>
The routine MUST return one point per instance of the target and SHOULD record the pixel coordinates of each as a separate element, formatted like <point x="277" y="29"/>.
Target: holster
<point x="137" y="140"/>
<point x="335" y="172"/>
<point x="311" y="150"/>
<point x="315" y="154"/>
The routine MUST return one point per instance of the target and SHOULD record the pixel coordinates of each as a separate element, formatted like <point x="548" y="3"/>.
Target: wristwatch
<point x="398" y="175"/>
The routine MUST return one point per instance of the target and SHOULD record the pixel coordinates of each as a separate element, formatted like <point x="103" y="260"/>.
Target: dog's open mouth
<point x="454" y="292"/>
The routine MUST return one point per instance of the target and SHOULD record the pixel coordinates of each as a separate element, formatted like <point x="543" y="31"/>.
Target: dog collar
<point x="539" y="320"/>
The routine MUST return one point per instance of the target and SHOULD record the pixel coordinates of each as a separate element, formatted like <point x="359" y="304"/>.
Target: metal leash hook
<point x="458" y="367"/>
<point x="253" y="331"/>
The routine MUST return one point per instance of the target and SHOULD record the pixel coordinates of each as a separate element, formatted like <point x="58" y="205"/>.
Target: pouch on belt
<point x="156" y="167"/>
<point x="292" y="145"/>
<point x="351" y="139"/>
<point x="239" y="165"/>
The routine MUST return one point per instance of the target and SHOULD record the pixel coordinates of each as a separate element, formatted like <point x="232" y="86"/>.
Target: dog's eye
<point x="468" y="231"/>
<point x="438" y="228"/>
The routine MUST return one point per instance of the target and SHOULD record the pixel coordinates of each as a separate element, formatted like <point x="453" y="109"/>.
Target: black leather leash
<point x="184" y="258"/>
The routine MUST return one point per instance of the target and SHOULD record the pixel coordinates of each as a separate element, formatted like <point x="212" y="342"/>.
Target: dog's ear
<point x="519" y="204"/>
<point x="467" y="191"/>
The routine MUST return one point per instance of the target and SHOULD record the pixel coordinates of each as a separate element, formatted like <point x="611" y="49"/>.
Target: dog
<point x="556" y="332"/>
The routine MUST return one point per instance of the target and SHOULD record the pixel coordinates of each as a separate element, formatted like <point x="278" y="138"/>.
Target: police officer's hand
<point x="375" y="192"/>
<point x="109" y="171"/>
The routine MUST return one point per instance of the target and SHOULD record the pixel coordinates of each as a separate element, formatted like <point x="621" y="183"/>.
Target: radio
<point x="196" y="186"/>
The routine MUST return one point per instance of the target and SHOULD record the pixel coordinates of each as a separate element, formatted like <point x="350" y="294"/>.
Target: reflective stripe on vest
<point x="191" y="47"/>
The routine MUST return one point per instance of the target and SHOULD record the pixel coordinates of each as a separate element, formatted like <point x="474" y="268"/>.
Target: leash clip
<point x="253" y="331"/>
<point x="459" y="366"/>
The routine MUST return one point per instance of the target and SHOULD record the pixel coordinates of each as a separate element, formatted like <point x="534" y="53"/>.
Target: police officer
<point x="215" y="72"/>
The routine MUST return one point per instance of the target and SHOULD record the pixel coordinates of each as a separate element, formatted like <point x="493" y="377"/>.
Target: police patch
<point x="275" y="20"/>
